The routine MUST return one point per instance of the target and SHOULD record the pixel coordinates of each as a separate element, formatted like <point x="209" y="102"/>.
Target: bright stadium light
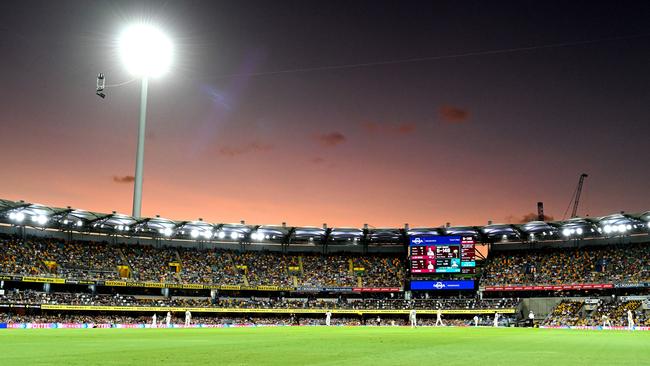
<point x="221" y="234"/>
<point x="621" y="228"/>
<point x="648" y="224"/>
<point x="146" y="53"/>
<point x="608" y="229"/>
<point x="207" y="234"/>
<point x="579" y="231"/>
<point x="194" y="233"/>
<point x="234" y="235"/>
<point x="42" y="220"/>
<point x="12" y="216"/>
<point x="19" y="217"/>
<point x="566" y="232"/>
<point x="628" y="227"/>
<point x="145" y="50"/>
<point x="79" y="223"/>
<point x="167" y="232"/>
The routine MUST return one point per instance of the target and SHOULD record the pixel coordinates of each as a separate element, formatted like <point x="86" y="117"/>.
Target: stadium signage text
<point x="276" y="311"/>
<point x="587" y="286"/>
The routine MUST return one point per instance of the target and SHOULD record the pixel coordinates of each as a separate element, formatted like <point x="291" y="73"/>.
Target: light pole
<point x="146" y="53"/>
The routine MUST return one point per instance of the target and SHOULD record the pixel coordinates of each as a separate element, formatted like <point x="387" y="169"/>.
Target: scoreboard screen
<point x="442" y="254"/>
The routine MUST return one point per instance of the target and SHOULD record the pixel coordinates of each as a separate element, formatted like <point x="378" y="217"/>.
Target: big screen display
<point x="442" y="254"/>
<point x="442" y="285"/>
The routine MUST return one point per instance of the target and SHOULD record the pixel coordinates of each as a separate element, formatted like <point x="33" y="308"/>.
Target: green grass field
<point x="324" y="346"/>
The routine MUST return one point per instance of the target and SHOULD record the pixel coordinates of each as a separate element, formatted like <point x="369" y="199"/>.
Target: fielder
<point x="630" y="320"/>
<point x="439" y="319"/>
<point x="413" y="318"/>
<point x="188" y="318"/>
<point x="606" y="322"/>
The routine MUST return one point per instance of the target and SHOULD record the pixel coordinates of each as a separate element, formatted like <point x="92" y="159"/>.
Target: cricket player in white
<point x="154" y="321"/>
<point x="188" y="318"/>
<point x="413" y="318"/>
<point x="630" y="320"/>
<point x="606" y="321"/>
<point x="439" y="318"/>
<point x="476" y="320"/>
<point x="496" y="319"/>
<point x="168" y="320"/>
<point x="328" y="318"/>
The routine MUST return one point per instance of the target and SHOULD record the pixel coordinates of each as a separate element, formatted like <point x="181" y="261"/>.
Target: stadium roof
<point x="20" y="213"/>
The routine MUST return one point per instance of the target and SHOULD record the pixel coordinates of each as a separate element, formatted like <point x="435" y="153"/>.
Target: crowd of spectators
<point x="614" y="313"/>
<point x="208" y="266"/>
<point x="151" y="264"/>
<point x="327" y="271"/>
<point x="567" y="312"/>
<point x="21" y="257"/>
<point x="629" y="264"/>
<point x="30" y="297"/>
<point x="101" y="261"/>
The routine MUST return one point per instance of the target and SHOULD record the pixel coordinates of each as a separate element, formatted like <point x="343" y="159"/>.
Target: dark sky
<point x="461" y="140"/>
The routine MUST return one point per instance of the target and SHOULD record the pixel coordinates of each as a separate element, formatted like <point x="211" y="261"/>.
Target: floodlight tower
<point x="146" y="53"/>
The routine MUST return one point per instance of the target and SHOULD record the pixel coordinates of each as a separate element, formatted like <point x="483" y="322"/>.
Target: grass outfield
<point x="324" y="346"/>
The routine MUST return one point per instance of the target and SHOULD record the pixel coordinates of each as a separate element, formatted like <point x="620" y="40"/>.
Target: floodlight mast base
<point x="139" y="158"/>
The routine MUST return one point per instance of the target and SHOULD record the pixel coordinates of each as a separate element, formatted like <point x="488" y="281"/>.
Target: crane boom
<point x="574" y="212"/>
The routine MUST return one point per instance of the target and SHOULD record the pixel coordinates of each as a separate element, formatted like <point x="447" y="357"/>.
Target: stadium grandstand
<point x="80" y="266"/>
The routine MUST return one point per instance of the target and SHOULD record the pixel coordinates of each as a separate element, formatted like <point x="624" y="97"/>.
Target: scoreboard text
<point x="442" y="254"/>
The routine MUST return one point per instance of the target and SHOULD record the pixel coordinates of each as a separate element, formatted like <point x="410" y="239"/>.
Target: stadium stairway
<point x="125" y="261"/>
<point x="302" y="273"/>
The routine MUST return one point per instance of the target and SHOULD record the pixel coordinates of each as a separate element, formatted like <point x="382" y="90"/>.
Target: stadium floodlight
<point x="608" y="229"/>
<point x="234" y="235"/>
<point x="167" y="231"/>
<point x="207" y="234"/>
<point x="579" y="231"/>
<point x="194" y="233"/>
<point x="20" y="217"/>
<point x="146" y="53"/>
<point x="221" y="234"/>
<point x="566" y="232"/>
<point x="42" y="220"/>
<point x="65" y="222"/>
<point x="648" y="224"/>
<point x="12" y="216"/>
<point x="621" y="228"/>
<point x="79" y="223"/>
<point x="145" y="50"/>
<point x="628" y="227"/>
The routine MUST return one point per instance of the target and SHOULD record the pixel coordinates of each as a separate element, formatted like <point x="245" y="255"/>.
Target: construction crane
<point x="576" y="197"/>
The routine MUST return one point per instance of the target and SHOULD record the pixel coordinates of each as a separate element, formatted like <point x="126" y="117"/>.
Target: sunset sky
<point x="464" y="139"/>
